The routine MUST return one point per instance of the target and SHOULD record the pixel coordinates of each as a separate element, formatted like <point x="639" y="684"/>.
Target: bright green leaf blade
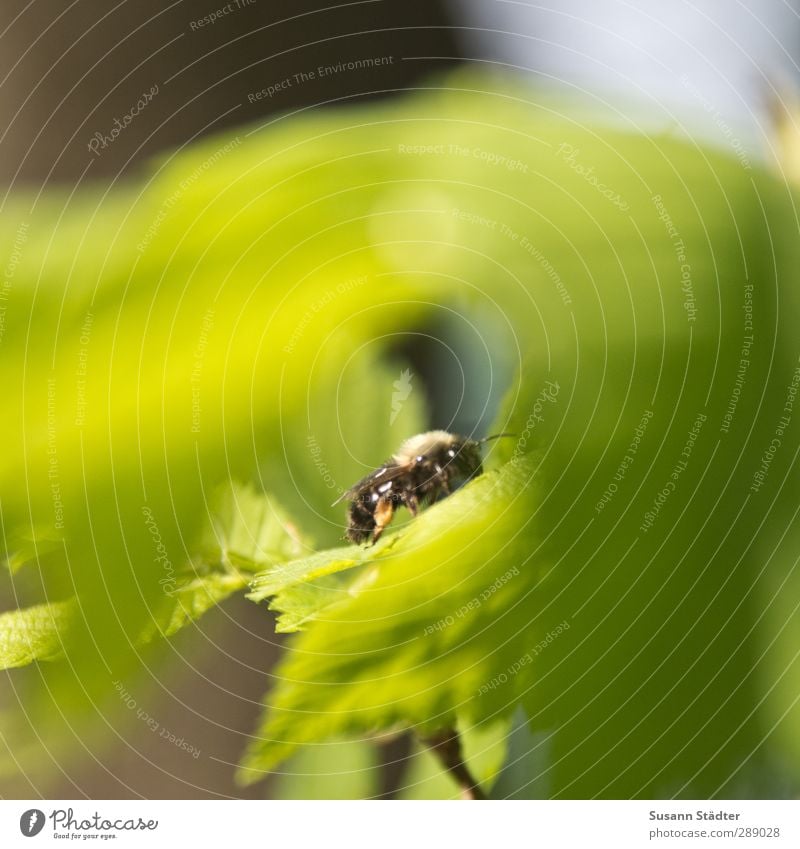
<point x="248" y="526"/>
<point x="25" y="552"/>
<point x="249" y="529"/>
<point x="301" y="591"/>
<point x="190" y="600"/>
<point x="277" y="579"/>
<point x="306" y="601"/>
<point x="43" y="632"/>
<point x="451" y="608"/>
<point x="302" y="603"/>
<point x="35" y="633"/>
<point x="272" y="581"/>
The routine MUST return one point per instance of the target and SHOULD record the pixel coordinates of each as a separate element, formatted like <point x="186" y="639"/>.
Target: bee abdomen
<point x="360" y="521"/>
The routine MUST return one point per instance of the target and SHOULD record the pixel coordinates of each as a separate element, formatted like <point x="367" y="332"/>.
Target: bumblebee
<point x="426" y="468"/>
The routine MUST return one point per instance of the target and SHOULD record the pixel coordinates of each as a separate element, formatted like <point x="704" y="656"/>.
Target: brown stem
<point x="446" y="745"/>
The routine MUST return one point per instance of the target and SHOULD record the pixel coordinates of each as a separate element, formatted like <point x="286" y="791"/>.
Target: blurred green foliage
<point x="234" y="317"/>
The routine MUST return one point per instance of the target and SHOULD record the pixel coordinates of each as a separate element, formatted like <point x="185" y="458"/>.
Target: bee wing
<point x="387" y="472"/>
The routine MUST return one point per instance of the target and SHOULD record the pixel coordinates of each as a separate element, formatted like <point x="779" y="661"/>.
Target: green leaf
<point x="301" y="591"/>
<point x="35" y="633"/>
<point x="302" y="603"/>
<point x="26" y="549"/>
<point x="450" y="608"/>
<point x="249" y="529"/>
<point x="43" y="632"/>
<point x="318" y="565"/>
<point x="190" y="600"/>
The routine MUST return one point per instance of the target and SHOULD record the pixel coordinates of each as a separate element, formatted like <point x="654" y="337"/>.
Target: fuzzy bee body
<point x="426" y="468"/>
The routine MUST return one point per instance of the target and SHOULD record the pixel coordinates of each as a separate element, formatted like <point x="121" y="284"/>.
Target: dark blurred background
<point x="68" y="71"/>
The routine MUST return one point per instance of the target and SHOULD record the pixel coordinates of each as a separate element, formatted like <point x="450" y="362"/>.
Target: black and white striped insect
<point x="426" y="468"/>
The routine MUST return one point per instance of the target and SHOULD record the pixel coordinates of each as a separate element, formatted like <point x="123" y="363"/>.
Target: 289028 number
<point x="758" y="832"/>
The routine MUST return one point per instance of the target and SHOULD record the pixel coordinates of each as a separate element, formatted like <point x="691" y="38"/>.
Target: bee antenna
<point x="496" y="436"/>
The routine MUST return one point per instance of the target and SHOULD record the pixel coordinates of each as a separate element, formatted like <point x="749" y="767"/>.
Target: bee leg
<point x="443" y="480"/>
<point x="384" y="510"/>
<point x="438" y="490"/>
<point x="411" y="500"/>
